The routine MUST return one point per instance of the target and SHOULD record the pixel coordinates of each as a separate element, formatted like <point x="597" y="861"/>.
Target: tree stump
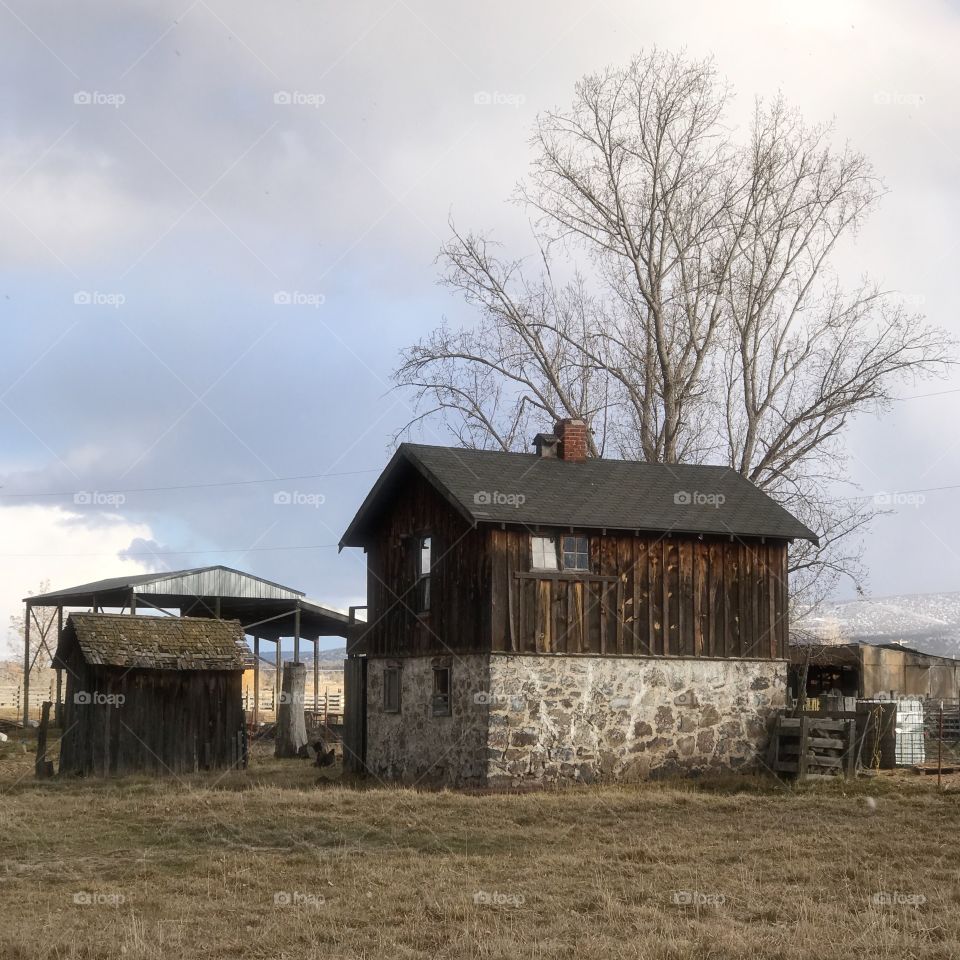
<point x="291" y="724"/>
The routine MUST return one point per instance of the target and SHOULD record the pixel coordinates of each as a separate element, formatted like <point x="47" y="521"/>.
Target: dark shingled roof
<point x="157" y="643"/>
<point x="519" y="488"/>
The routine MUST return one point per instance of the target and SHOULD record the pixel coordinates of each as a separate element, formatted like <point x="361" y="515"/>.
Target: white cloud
<point x="51" y="543"/>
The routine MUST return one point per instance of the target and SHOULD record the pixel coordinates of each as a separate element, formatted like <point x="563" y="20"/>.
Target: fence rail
<point x="11" y="700"/>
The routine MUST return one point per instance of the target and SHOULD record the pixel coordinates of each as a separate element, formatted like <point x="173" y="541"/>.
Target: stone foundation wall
<point x="518" y="719"/>
<point x="619" y="718"/>
<point x="415" y="747"/>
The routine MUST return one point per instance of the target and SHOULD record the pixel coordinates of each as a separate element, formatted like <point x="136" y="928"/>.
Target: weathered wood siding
<point x="169" y="722"/>
<point x="643" y="595"/>
<point x="459" y="615"/>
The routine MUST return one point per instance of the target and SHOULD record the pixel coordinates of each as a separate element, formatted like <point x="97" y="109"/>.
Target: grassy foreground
<point x="283" y="862"/>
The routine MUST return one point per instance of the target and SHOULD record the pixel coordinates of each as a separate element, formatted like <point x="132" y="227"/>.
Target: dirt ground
<point x="285" y="861"/>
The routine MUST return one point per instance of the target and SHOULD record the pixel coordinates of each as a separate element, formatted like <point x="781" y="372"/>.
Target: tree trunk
<point x="291" y="724"/>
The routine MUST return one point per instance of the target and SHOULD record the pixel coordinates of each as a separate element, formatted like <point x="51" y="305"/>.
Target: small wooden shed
<point x="160" y="695"/>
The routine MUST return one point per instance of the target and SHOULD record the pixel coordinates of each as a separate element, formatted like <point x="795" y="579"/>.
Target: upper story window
<point x="576" y="553"/>
<point x="560" y="553"/>
<point x="424" y="566"/>
<point x="544" y="553"/>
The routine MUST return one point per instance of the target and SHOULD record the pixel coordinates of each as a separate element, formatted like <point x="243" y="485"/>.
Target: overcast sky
<point x="168" y="172"/>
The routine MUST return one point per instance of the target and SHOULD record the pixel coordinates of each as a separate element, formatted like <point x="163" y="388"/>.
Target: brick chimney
<point x="573" y="440"/>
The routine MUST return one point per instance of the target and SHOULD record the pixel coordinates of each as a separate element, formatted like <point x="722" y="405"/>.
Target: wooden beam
<point x="26" y="666"/>
<point x="256" y="681"/>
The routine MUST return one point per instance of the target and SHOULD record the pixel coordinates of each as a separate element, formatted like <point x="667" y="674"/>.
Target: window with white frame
<point x="424" y="566"/>
<point x="544" y="553"/>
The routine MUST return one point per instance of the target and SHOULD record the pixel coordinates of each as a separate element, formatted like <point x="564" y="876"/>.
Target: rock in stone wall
<point x="619" y="718"/>
<point x="414" y="746"/>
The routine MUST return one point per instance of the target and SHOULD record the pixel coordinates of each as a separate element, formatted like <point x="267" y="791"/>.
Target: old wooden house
<point x="550" y="615"/>
<point x="153" y="694"/>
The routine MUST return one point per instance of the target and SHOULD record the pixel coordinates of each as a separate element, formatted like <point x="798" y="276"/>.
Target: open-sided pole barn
<point x="267" y="611"/>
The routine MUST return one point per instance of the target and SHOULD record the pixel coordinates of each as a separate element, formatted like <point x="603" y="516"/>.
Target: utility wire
<point x="199" y="486"/>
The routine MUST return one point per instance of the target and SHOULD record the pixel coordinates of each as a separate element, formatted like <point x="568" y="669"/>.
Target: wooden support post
<point x="58" y="706"/>
<point x="133" y="604"/>
<point x="296" y="634"/>
<point x="804" y="747"/>
<point x="256" y="682"/>
<point x="851" y="748"/>
<point x="216" y="608"/>
<point x="26" y="665"/>
<point x="276" y="681"/>
<point x="316" y="674"/>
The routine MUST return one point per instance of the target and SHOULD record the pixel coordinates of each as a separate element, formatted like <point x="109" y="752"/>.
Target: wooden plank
<point x="714" y="641"/>
<point x="671" y="597"/>
<point x="804" y="733"/>
<point x="685" y="600"/>
<point x="657" y="629"/>
<point x="641" y="597"/>
<point x="701" y="565"/>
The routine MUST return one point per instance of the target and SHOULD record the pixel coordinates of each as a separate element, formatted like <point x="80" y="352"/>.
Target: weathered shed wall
<point x="119" y="721"/>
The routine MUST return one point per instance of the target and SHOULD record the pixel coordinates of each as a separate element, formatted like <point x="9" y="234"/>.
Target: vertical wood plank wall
<point x="644" y="595"/>
<point x="647" y="594"/>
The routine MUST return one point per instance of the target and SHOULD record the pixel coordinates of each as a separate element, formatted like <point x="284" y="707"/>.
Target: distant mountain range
<point x="929" y="622"/>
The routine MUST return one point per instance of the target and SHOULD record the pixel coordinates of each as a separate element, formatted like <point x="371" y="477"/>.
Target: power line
<point x="198" y="486"/>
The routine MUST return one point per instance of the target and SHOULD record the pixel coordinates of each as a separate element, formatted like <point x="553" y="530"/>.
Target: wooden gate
<point x="355" y="714"/>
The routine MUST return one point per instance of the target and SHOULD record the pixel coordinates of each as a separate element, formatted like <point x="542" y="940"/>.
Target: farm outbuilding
<point x="269" y="612"/>
<point x="553" y="616"/>
<point x="151" y="694"/>
<point x="870" y="671"/>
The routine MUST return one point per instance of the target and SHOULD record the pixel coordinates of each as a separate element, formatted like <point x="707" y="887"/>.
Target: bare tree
<point x="704" y="321"/>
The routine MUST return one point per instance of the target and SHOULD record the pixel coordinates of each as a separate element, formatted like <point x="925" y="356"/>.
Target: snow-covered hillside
<point x="924" y="621"/>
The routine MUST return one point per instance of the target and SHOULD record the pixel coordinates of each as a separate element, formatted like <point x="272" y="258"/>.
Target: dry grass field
<point x="283" y="861"/>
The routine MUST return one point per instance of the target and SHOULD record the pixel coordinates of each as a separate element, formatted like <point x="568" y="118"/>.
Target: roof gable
<point x="156" y="643"/>
<point x="517" y="488"/>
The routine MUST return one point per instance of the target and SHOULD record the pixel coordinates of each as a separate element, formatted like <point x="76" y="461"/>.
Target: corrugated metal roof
<point x="518" y="488"/>
<point x="156" y="643"/>
<point x="215" y="581"/>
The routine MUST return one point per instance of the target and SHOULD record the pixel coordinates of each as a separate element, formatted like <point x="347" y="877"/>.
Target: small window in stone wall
<point x="391" y="690"/>
<point x="440" y="703"/>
